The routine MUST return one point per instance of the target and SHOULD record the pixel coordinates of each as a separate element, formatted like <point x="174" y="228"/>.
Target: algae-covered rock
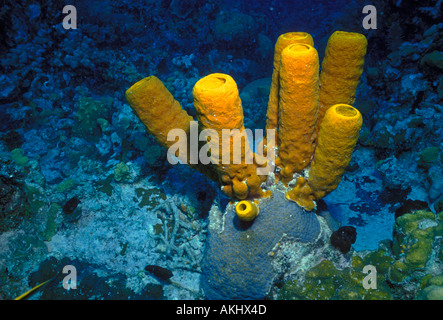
<point x="121" y="172"/>
<point x="104" y="125"/>
<point x="419" y="252"/>
<point x="414" y="237"/>
<point x="89" y="111"/>
<point x="326" y="282"/>
<point x="379" y="258"/>
<point x="126" y="172"/>
<point x="407" y="268"/>
<point x="432" y="292"/>
<point x="66" y="185"/>
<point x="105" y="186"/>
<point x="428" y="155"/>
<point x="398" y="271"/>
<point x="149" y="197"/>
<point x="436" y="280"/>
<point x="51" y="223"/>
<point x="18" y="157"/>
<point x="433" y="60"/>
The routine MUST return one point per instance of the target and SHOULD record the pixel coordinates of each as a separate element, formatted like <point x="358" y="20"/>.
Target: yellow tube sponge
<point x="153" y="103"/>
<point x="337" y="138"/>
<point x="218" y="103"/>
<point x="219" y="108"/>
<point x="298" y="108"/>
<point x="282" y="42"/>
<point x="341" y="69"/>
<point x="246" y="210"/>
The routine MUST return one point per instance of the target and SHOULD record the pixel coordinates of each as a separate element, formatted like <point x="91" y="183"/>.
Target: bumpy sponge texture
<point x="302" y="194"/>
<point x="283" y="41"/>
<point x="298" y="108"/>
<point x="153" y="103"/>
<point x="341" y="69"/>
<point x="160" y="113"/>
<point x="337" y="138"/>
<point x="218" y="103"/>
<point x="218" y="106"/>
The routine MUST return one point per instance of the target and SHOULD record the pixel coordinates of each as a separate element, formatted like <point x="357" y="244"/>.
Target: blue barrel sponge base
<point x="238" y="261"/>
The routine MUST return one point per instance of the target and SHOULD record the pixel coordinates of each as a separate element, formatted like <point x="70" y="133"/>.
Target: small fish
<point x="159" y="272"/>
<point x="164" y="276"/>
<point x="29" y="292"/>
<point x="71" y="205"/>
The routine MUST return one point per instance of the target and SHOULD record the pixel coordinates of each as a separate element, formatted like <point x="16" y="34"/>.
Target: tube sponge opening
<point x="296" y="36"/>
<point x="298" y="108"/>
<point x="342" y="67"/>
<point x="219" y="108"/>
<point x="346" y="111"/>
<point x="283" y="41"/>
<point x="338" y="136"/>
<point x="246" y="210"/>
<point x="217" y="102"/>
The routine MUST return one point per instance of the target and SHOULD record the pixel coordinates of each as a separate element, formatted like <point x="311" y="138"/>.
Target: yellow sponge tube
<point x="283" y="41"/>
<point x="298" y="108"/>
<point x="337" y="138"/>
<point x="341" y="69"/>
<point x="160" y="113"/>
<point x="219" y="108"/>
<point x="157" y="109"/>
<point x="218" y="103"/>
<point x="246" y="210"/>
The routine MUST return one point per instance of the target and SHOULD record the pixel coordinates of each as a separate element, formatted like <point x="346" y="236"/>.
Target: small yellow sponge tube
<point x="336" y="141"/>
<point x="218" y="106"/>
<point x="283" y="41"/>
<point x="337" y="138"/>
<point x="298" y="108"/>
<point x="246" y="210"/>
<point x="341" y="69"/>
